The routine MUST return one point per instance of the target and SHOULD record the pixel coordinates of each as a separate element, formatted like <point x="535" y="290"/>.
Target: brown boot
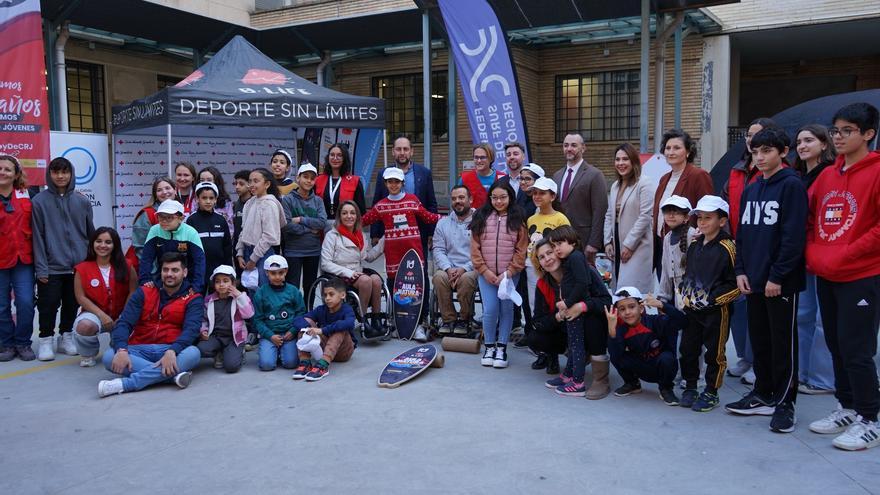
<point x="600" y="388"/>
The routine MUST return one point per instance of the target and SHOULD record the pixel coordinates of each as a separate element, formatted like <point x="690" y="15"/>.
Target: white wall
<point x="748" y="15"/>
<point x="716" y="99"/>
<point x="232" y="11"/>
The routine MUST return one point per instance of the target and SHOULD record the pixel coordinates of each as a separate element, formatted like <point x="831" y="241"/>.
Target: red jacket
<point x="346" y="189"/>
<point x="110" y="300"/>
<point x="736" y="184"/>
<point x="843" y="236"/>
<point x="479" y="194"/>
<point x="157" y="326"/>
<point x="15" y="230"/>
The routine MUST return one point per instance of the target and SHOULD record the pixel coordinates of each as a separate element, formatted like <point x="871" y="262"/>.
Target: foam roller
<point x="458" y="344"/>
<point x="439" y="361"/>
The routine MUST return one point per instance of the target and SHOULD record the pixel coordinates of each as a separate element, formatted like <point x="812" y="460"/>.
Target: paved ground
<point x="461" y="429"/>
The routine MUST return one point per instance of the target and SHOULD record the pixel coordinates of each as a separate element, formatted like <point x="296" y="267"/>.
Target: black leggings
<point x="305" y="267"/>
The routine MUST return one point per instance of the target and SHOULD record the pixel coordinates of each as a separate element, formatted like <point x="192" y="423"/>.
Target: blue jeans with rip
<point x="18" y="280"/>
<point x="497" y="313"/>
<point x="144" y="358"/>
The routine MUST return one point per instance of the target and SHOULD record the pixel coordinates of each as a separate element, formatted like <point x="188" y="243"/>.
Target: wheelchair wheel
<point x="313" y="297"/>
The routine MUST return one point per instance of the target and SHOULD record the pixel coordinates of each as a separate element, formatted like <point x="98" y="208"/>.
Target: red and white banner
<point x="24" y="113"/>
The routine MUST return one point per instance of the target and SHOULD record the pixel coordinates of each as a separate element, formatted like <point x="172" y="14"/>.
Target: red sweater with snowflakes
<point x="400" y="218"/>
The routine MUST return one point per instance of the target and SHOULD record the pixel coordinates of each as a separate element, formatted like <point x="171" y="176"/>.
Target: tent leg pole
<point x="426" y="85"/>
<point x="452" y="110"/>
<point x="385" y="147"/>
<point x="645" y="47"/>
<point x="168" y="142"/>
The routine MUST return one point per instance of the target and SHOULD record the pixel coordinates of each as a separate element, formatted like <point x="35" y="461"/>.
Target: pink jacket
<point x="497" y="250"/>
<point x="241" y="310"/>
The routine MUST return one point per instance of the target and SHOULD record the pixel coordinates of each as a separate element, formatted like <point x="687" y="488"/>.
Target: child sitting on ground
<point x="333" y="322"/>
<point x="277" y="305"/>
<point x="707" y="290"/>
<point x="223" y="332"/>
<point x="642" y="347"/>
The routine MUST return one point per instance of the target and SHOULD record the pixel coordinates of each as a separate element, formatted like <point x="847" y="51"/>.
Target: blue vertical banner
<point x="485" y="70"/>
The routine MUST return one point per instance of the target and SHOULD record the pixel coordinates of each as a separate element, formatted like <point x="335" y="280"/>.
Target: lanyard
<point x="334" y="189"/>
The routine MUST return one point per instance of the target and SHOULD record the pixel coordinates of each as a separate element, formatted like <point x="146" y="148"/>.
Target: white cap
<point x="170" y="207"/>
<point x="545" y="184"/>
<point x="393" y="173"/>
<point x="709" y="203"/>
<point x="307" y="167"/>
<point x="535" y="169"/>
<point x="275" y="259"/>
<point x="625" y="293"/>
<point x="678" y="202"/>
<point x="223" y="270"/>
<point x="209" y="185"/>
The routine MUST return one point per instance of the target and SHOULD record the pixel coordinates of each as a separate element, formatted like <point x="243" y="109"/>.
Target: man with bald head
<point x="584" y="195"/>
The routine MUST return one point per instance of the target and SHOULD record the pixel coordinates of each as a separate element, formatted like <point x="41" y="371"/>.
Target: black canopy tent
<point x="240" y="86"/>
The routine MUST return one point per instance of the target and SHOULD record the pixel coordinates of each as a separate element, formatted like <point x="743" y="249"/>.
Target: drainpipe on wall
<point x="663" y="33"/>
<point x="322" y="68"/>
<point x="61" y="77"/>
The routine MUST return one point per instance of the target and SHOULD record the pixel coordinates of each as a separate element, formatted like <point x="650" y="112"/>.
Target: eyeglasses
<point x="481" y="158"/>
<point x="845" y="132"/>
<point x="525" y="178"/>
<point x="499" y="198"/>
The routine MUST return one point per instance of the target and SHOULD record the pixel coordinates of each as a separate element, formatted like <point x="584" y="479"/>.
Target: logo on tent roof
<point x="260" y="76"/>
<point x="195" y="76"/>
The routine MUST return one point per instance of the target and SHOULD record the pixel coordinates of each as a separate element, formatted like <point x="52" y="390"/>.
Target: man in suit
<point x="584" y="195"/>
<point x="419" y="181"/>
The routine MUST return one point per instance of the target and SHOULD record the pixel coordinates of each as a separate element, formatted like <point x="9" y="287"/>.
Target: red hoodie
<point x="843" y="236"/>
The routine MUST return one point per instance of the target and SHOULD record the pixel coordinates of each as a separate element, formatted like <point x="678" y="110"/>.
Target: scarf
<point x="356" y="238"/>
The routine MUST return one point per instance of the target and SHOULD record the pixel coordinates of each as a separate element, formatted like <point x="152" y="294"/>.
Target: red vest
<point x="155" y="327"/>
<point x="110" y="299"/>
<point x="736" y="184"/>
<point x="479" y="195"/>
<point x="346" y="189"/>
<point x="15" y="230"/>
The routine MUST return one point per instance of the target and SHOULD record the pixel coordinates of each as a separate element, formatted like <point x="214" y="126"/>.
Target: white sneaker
<point x="87" y="362"/>
<point x="740" y="368"/>
<point x="46" y="351"/>
<point x="500" y="360"/>
<point x="860" y="435"/>
<point x="419" y="334"/>
<point x="107" y="388"/>
<point x="837" y="422"/>
<point x="748" y="378"/>
<point x="66" y="345"/>
<point x="183" y="379"/>
<point x="488" y="356"/>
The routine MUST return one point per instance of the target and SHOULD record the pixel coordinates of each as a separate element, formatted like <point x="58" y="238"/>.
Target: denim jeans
<point x="248" y="251"/>
<point x="814" y="358"/>
<point x="497" y="314"/>
<point x="739" y="328"/>
<point x="269" y="355"/>
<point x="144" y="371"/>
<point x="20" y="281"/>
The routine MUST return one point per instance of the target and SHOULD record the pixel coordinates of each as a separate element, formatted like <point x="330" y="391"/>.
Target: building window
<point x="85" y="97"/>
<point x="163" y="82"/>
<point x="403" y="105"/>
<point x="603" y="106"/>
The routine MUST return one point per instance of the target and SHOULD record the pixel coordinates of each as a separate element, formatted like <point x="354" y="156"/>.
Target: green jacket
<point x="275" y="309"/>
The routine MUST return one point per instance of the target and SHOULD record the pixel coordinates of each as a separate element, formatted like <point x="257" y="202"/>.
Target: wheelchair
<point x="314" y="298"/>
<point x="434" y="319"/>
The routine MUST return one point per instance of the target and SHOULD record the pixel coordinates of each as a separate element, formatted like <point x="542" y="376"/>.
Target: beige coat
<point x="340" y="257"/>
<point x="634" y="230"/>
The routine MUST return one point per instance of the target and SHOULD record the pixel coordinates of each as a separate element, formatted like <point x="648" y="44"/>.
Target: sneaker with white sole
<point x="752" y="404"/>
<point x="784" y="418"/>
<point x="488" y="358"/>
<point x="45" y="349"/>
<point x="739" y="369"/>
<point x="66" y="345"/>
<point x="183" y="379"/>
<point x="860" y="435"/>
<point x="419" y="335"/>
<point x="500" y="360"/>
<point x="748" y="378"/>
<point x="107" y="388"/>
<point x="218" y="361"/>
<point x="837" y="422"/>
<point x="87" y="362"/>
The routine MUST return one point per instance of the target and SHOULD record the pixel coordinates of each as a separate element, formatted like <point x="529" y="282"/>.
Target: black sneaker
<point x="667" y="395"/>
<point x="445" y="329"/>
<point x="541" y="362"/>
<point x="7" y="354"/>
<point x="628" y="389"/>
<point x="705" y="402"/>
<point x="688" y="397"/>
<point x="751" y="405"/>
<point x="25" y="353"/>
<point x="783" y="418"/>
<point x="553" y="365"/>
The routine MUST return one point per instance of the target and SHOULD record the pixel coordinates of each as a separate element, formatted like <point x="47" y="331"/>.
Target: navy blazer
<point x="424" y="191"/>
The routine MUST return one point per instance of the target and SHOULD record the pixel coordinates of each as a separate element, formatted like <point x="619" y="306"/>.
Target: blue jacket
<point x="661" y="329"/>
<point x="424" y="190"/>
<point x="329" y="323"/>
<point x="772" y="233"/>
